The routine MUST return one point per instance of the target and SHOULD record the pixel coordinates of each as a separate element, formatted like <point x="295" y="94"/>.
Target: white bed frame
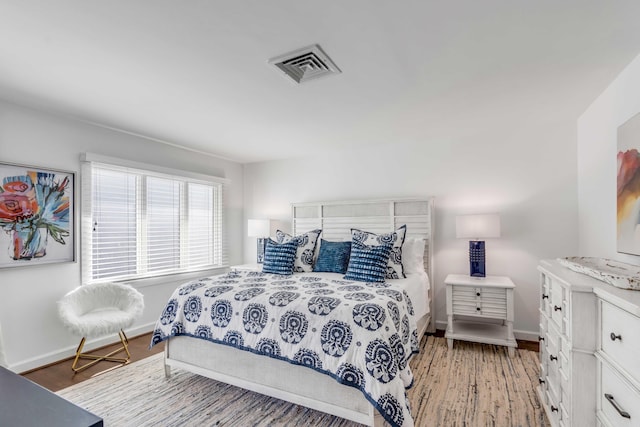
<point x="297" y="384"/>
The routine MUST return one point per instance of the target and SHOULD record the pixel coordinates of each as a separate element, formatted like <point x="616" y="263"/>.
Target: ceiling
<point x="195" y="73"/>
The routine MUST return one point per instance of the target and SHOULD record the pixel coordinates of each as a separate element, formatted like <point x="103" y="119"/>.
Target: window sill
<point x="176" y="278"/>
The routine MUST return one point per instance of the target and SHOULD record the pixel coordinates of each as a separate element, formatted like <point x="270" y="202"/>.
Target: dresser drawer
<point x="558" y="305"/>
<point x="617" y="399"/>
<point x="620" y="339"/>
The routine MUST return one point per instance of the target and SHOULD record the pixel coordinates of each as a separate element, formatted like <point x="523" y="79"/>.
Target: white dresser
<point x="580" y="363"/>
<point x="618" y="356"/>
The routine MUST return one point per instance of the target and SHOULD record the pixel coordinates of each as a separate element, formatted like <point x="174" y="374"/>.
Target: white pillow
<point x="413" y="255"/>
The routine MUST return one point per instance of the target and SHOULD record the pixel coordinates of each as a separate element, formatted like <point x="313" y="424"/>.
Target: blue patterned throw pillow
<point x="368" y="263"/>
<point x="279" y="257"/>
<point x="306" y="248"/>
<point x="394" y="269"/>
<point x="333" y="257"/>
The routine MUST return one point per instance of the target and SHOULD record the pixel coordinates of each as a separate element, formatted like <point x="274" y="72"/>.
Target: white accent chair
<point x="100" y="309"/>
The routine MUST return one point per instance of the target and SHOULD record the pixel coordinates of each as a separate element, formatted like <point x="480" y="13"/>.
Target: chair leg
<point x="97" y="358"/>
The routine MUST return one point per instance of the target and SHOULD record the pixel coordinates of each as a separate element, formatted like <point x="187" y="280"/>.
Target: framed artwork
<point x="628" y="187"/>
<point x="37" y="216"/>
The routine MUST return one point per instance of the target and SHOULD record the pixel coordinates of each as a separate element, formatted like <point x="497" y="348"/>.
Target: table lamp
<point x="476" y="227"/>
<point x="260" y="228"/>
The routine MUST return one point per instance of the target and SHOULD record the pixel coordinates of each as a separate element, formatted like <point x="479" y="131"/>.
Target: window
<point x="141" y="223"/>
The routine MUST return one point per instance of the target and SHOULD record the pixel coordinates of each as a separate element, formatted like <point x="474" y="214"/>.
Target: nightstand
<point x="247" y="267"/>
<point x="473" y="306"/>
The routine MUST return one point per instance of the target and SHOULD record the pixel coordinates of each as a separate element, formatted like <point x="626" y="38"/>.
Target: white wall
<point x="597" y="165"/>
<point x="33" y="334"/>
<point x="527" y="175"/>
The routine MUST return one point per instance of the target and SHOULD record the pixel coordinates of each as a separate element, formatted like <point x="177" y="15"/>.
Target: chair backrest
<point x="103" y="295"/>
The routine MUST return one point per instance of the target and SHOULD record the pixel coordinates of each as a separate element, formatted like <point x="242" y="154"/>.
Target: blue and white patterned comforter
<point x="361" y="334"/>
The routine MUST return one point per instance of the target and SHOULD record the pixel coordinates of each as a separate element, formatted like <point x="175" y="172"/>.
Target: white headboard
<point x="378" y="216"/>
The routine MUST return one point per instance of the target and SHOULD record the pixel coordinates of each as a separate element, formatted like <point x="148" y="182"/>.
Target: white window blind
<point x="139" y="223"/>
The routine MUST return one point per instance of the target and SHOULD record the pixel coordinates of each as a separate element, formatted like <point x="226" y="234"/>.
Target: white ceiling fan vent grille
<point x="305" y="64"/>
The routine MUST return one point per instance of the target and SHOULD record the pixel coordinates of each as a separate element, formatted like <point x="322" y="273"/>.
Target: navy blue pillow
<point x="368" y="263"/>
<point x="333" y="257"/>
<point x="279" y="257"/>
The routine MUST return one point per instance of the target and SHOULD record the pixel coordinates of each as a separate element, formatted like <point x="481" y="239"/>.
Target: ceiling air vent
<point x="305" y="64"/>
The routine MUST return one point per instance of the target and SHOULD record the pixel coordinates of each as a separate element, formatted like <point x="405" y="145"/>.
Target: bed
<point x="328" y="386"/>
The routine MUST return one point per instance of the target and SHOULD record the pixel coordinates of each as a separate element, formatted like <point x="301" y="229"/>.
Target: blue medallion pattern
<point x="255" y="318"/>
<point x="350" y="375"/>
<point x="190" y="287"/>
<point x="390" y="293"/>
<point x="398" y="349"/>
<point x="409" y="304"/>
<point x="359" y="296"/>
<point x="192" y="308"/>
<point x="381" y="362"/>
<point x="315" y="285"/>
<point x="221" y="312"/>
<point x="394" y="311"/>
<point x="336" y="338"/>
<point x="351" y="288"/>
<point x="405" y="329"/>
<point x="169" y="313"/>
<point x="322" y="305"/>
<point x="247" y="294"/>
<point x="203" y="332"/>
<point x="269" y="347"/>
<point x="216" y="291"/>
<point x="308" y="358"/>
<point x="391" y="408"/>
<point x="369" y="316"/>
<point x="320" y="292"/>
<point x="360" y="333"/>
<point x="281" y="299"/>
<point x="234" y="338"/>
<point x="293" y="327"/>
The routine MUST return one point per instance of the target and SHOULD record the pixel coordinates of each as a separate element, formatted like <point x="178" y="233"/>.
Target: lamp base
<point x="260" y="249"/>
<point x="476" y="258"/>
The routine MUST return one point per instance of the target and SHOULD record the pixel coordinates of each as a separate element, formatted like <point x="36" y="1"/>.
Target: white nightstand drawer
<point x="617" y="399"/>
<point x="620" y="339"/>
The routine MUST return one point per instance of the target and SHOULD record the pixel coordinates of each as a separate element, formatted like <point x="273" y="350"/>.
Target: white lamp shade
<point x="478" y="226"/>
<point x="259" y="228"/>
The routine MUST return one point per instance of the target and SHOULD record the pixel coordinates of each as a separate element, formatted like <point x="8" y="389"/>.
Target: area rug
<point x="470" y="385"/>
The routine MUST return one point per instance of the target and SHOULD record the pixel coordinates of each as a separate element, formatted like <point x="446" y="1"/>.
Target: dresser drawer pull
<point x="552" y="357"/>
<point x="478" y="308"/>
<point x="477" y="294"/>
<point x="540" y="338"/>
<point x="541" y="381"/>
<point x="615" y="337"/>
<point x="557" y="308"/>
<point x="554" y="408"/>
<point x="545" y="296"/>
<point x="622" y="413"/>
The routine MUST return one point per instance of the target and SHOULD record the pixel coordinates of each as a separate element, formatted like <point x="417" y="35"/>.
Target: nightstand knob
<point x="540" y="338"/>
<point x="557" y="308"/>
<point x="541" y="381"/>
<point x="477" y="294"/>
<point x="552" y="357"/>
<point x="545" y="296"/>
<point x="554" y="408"/>
<point x="478" y="308"/>
<point x="615" y="337"/>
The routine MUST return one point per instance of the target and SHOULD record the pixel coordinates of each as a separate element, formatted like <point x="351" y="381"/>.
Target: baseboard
<point x="67" y="352"/>
<point x="519" y="334"/>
